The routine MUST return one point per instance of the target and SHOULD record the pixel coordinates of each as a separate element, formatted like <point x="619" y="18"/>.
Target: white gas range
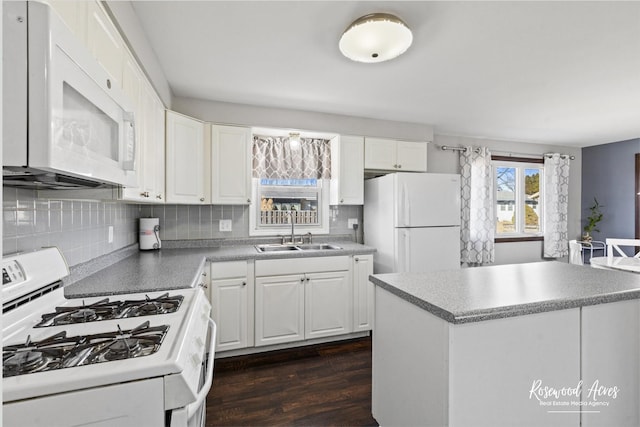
<point x="125" y="360"/>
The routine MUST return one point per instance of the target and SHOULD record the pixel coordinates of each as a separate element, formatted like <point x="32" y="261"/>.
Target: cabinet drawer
<point x="273" y="267"/>
<point x="225" y="270"/>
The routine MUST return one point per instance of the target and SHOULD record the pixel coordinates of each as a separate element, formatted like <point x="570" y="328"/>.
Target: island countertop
<point x="485" y="293"/>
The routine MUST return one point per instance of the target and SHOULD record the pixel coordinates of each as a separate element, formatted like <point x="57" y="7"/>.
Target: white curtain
<point x="556" y="203"/>
<point x="477" y="228"/>
<point x="276" y="157"/>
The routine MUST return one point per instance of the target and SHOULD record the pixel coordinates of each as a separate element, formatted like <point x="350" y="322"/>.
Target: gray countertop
<point x="168" y="269"/>
<point x="485" y="293"/>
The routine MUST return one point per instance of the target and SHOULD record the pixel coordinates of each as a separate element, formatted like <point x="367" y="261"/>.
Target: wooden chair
<point x="613" y="247"/>
<point x="575" y="253"/>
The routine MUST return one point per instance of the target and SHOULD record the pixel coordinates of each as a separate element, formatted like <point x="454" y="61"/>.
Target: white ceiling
<point x="558" y="72"/>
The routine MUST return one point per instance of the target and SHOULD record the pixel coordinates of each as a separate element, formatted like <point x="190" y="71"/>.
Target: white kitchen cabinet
<point x="394" y="155"/>
<point x="230" y="165"/>
<point x="363" y="293"/>
<point x="232" y="304"/>
<point x="149" y="116"/>
<point x="185" y="159"/>
<point x="74" y="14"/>
<point x="347" y="170"/>
<point x="312" y="301"/>
<point x="104" y="41"/>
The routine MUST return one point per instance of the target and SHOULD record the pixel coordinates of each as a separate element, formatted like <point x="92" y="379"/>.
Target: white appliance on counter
<point x="149" y="234"/>
<point x="125" y="360"/>
<point x="66" y="124"/>
<point x="413" y="221"/>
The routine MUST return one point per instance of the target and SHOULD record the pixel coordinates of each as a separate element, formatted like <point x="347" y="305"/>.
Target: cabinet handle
<point x="244" y="283"/>
<point x="159" y="197"/>
<point x="202" y="199"/>
<point x="249" y="201"/>
<point x="203" y="285"/>
<point x="307" y="279"/>
<point x="357" y="259"/>
<point x="204" y="274"/>
<point x="399" y="166"/>
<point x="341" y="200"/>
<point x="395" y="166"/>
<point x="145" y="194"/>
<point x="109" y="83"/>
<point x="301" y="279"/>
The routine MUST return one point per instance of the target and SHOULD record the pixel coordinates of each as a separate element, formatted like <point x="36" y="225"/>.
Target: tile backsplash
<point x="80" y="228"/>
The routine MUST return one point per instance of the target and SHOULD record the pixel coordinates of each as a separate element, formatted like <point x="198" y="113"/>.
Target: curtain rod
<point x="447" y="148"/>
<point x="564" y="156"/>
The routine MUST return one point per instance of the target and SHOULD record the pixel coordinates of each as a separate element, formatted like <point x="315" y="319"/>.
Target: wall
<point x="248" y="115"/>
<point x="447" y="162"/>
<point x="80" y="227"/>
<point x="609" y="176"/>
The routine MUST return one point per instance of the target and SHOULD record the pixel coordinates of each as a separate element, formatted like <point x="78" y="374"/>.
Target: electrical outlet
<point x="225" y="225"/>
<point x="351" y="222"/>
<point x="110" y="237"/>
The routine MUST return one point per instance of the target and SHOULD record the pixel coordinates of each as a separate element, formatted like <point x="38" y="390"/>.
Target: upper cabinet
<point x="347" y="170"/>
<point x="230" y="165"/>
<point x="394" y="155"/>
<point x="185" y="160"/>
<point x="149" y="116"/>
<point x="104" y="41"/>
<point x="74" y="14"/>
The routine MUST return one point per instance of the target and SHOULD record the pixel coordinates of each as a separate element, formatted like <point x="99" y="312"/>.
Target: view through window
<point x="518" y="198"/>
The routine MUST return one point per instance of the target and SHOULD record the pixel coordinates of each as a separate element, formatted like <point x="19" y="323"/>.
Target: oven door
<point x="194" y="414"/>
<point x="80" y="122"/>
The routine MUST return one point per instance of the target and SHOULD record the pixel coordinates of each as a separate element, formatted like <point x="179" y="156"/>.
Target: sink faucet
<point x="293" y="237"/>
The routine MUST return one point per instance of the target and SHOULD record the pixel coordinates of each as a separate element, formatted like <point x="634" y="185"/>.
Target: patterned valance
<point x="276" y="157"/>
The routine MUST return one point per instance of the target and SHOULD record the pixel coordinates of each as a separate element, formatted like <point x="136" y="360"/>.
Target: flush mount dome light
<point x="376" y="37"/>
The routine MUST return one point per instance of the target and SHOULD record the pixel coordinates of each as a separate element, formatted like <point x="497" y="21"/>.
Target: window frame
<point x="520" y="163"/>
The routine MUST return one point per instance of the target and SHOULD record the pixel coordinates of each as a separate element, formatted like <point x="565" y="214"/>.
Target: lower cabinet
<point x="363" y="293"/>
<point x="314" y="301"/>
<point x="232" y="304"/>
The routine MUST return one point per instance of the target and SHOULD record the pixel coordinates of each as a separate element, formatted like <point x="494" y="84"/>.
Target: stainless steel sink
<point x="301" y="247"/>
<point x="317" y="247"/>
<point x="276" y="248"/>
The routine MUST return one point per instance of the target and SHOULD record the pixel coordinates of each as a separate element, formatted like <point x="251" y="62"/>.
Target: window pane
<point x="532" y="200"/>
<point x="506" y="200"/>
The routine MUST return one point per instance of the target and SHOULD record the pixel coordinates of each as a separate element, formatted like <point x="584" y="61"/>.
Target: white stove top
<point x="179" y="354"/>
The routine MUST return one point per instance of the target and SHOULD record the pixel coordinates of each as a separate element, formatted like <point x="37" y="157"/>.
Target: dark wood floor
<point x="321" y="385"/>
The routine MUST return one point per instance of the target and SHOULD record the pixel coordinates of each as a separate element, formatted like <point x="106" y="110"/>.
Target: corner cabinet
<point x="302" y="298"/>
<point x="185" y="160"/>
<point x="232" y="299"/>
<point x="394" y="155"/>
<point x="347" y="170"/>
<point x="230" y="165"/>
<point x="363" y="293"/>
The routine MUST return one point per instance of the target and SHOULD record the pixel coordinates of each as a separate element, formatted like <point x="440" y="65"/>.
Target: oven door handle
<point x="193" y="407"/>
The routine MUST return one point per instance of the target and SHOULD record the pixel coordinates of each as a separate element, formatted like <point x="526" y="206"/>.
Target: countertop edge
<point x="473" y="316"/>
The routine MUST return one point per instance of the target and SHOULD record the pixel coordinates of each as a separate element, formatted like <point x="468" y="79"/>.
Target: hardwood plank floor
<point x="320" y="385"/>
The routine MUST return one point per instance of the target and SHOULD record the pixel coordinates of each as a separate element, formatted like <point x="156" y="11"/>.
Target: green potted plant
<point x="592" y="220"/>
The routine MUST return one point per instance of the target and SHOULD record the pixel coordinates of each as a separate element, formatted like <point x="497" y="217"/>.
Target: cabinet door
<point x="230" y="165"/>
<point x="347" y="171"/>
<point x="104" y="41"/>
<point x="379" y="153"/>
<point x="411" y="156"/>
<point x="279" y="309"/>
<point x="229" y="309"/>
<point x="185" y="159"/>
<point x="74" y="14"/>
<point x="158" y="142"/>
<point x="132" y="86"/>
<point x="363" y="293"/>
<point x="328" y="306"/>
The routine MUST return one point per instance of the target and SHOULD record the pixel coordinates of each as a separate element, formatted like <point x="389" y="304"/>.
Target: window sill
<point x="518" y="239"/>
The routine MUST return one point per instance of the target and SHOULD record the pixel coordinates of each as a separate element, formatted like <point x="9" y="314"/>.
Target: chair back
<point x="575" y="253"/>
<point x="613" y="247"/>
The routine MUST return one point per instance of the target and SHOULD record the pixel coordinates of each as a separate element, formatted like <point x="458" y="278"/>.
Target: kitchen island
<point x="535" y="344"/>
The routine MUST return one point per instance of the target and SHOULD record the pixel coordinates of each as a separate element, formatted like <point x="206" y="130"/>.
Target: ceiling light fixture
<point x="376" y="37"/>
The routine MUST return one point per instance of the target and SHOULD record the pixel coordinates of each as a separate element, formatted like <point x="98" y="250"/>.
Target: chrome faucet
<point x="293" y="236"/>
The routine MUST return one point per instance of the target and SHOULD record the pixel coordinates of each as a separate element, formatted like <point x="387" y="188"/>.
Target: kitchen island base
<point x="524" y="370"/>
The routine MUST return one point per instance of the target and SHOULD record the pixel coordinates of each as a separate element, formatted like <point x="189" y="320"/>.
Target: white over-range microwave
<point x="65" y="123"/>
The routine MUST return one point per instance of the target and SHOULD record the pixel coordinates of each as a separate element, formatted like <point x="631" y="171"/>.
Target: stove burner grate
<point x="107" y="310"/>
<point x="60" y="351"/>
